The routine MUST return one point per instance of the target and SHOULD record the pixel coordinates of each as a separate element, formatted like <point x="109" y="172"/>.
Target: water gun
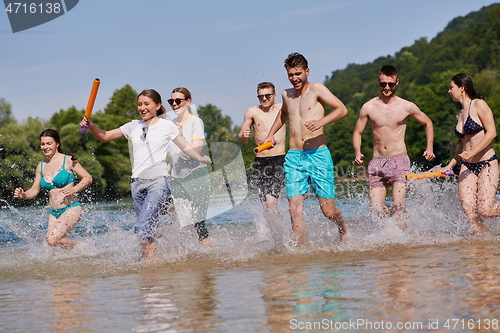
<point x="264" y="146"/>
<point x="433" y="174"/>
<point x="90" y="103"/>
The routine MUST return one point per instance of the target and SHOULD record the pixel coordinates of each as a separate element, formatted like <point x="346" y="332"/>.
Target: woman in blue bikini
<point x="56" y="174"/>
<point x="478" y="179"/>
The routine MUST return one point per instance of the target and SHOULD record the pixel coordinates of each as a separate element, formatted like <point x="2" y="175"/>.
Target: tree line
<point x="469" y="44"/>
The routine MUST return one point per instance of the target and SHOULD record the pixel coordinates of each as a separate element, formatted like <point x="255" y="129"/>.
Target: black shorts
<point x="268" y="175"/>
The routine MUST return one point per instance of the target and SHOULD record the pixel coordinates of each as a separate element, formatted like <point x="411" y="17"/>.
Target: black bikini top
<point x="470" y="126"/>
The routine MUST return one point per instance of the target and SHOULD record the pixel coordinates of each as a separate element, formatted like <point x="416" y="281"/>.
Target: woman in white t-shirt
<point x="190" y="179"/>
<point x="150" y="138"/>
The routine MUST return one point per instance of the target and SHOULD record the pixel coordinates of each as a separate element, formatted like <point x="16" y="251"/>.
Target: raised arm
<point x="281" y="119"/>
<point x="188" y="148"/>
<point x="326" y="96"/>
<point x="86" y="179"/>
<point x="356" y="135"/>
<point x="100" y="134"/>
<point x="245" y="127"/>
<point x="425" y="121"/>
<point x="19" y="193"/>
<point x="456" y="158"/>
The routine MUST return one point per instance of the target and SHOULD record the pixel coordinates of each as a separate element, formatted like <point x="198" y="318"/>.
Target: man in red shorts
<point x="389" y="115"/>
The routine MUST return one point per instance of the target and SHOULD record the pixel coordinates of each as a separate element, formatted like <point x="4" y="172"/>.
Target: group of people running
<point x="307" y="163"/>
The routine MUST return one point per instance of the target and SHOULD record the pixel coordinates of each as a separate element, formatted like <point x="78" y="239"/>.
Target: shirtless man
<point x="308" y="161"/>
<point x="268" y="165"/>
<point x="389" y="115"/>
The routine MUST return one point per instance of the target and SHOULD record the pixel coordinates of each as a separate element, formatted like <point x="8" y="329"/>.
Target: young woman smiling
<point x="150" y="137"/>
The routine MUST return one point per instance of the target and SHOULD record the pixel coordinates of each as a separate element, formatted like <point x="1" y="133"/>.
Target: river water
<point x="432" y="277"/>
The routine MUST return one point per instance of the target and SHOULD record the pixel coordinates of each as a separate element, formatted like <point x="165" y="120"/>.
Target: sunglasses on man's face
<point x="267" y="96"/>
<point x="384" y="84"/>
<point x="176" y="100"/>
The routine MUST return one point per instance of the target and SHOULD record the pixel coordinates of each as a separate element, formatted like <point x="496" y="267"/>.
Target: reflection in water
<point x="395" y="284"/>
<point x="158" y="310"/>
<point x="177" y="302"/>
<point x="395" y="290"/>
<point x="483" y="295"/>
<point x="205" y="302"/>
<point x="70" y="309"/>
<point x="238" y="293"/>
<point x="306" y="294"/>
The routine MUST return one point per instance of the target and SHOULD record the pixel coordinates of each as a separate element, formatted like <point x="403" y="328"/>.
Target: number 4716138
<point x="33" y="8"/>
<point x="471" y="324"/>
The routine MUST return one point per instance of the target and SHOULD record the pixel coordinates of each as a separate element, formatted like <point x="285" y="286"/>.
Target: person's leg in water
<point x="296" y="208"/>
<point x="335" y="215"/>
<point x="377" y="201"/>
<point x="149" y="195"/>
<point x="487" y="183"/>
<point x="202" y="232"/>
<point x="468" y="194"/>
<point x="398" y="207"/>
<point x="58" y="228"/>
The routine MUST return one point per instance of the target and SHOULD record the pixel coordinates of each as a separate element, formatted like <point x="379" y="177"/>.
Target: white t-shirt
<point x="182" y="164"/>
<point x="149" y="154"/>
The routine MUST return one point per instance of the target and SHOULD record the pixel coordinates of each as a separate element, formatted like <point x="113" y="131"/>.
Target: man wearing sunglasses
<point x="268" y="173"/>
<point x="388" y="115"/>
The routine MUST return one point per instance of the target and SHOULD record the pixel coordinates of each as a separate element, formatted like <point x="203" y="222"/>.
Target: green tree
<point x="19" y="156"/>
<point x="218" y="128"/>
<point x="123" y="103"/>
<point x="6" y="113"/>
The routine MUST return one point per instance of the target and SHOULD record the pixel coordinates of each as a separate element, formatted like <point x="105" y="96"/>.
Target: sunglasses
<point x="384" y="84"/>
<point x="177" y="101"/>
<point x="267" y="96"/>
<point x="144" y="132"/>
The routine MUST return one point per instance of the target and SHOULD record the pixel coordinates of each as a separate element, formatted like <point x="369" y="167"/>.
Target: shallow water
<point x="432" y="277"/>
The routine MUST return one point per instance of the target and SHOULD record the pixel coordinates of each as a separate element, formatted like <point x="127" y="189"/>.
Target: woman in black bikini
<point x="478" y="179"/>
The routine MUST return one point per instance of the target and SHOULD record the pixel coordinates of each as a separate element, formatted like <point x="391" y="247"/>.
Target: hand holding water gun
<point x="90" y="103"/>
<point x="264" y="146"/>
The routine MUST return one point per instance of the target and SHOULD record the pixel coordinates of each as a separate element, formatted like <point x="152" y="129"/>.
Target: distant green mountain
<point x="469" y="44"/>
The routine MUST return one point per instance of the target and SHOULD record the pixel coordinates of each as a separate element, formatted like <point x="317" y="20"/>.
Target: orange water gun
<point x="264" y="146"/>
<point x="433" y="174"/>
<point x="90" y="103"/>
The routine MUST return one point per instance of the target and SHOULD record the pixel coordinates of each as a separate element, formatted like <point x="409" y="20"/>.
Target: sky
<point x="219" y="50"/>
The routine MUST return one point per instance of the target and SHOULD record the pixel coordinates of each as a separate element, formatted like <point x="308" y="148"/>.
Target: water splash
<point x="21" y="225"/>
<point x="245" y="232"/>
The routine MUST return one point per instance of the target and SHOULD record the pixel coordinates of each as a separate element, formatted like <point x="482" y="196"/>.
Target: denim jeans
<point x="149" y="195"/>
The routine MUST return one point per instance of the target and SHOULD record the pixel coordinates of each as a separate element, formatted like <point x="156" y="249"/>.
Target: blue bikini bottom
<point x="58" y="212"/>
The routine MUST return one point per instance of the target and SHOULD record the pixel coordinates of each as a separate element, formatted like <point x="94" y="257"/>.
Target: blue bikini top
<point x="470" y="126"/>
<point x="63" y="178"/>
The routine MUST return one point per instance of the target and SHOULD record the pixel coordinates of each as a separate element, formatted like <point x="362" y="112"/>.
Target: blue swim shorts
<point x="310" y="167"/>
